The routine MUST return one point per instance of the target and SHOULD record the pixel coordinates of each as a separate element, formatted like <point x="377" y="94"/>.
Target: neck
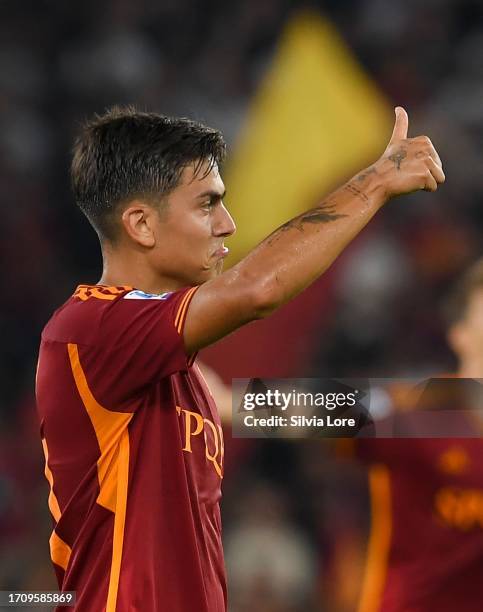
<point x="132" y="270"/>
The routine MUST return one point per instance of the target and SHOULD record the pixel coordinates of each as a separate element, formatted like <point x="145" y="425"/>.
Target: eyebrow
<point x="213" y="194"/>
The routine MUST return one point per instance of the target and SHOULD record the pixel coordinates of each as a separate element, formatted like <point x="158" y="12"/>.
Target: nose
<point x="223" y="224"/>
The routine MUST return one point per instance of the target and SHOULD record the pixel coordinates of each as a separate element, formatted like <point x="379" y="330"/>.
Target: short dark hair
<point x="124" y="154"/>
<point x="456" y="303"/>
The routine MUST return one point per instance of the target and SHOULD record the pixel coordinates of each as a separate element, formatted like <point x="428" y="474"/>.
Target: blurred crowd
<point x="286" y="505"/>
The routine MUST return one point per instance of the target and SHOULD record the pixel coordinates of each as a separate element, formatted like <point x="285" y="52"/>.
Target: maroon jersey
<point x="426" y="545"/>
<point x="134" y="455"/>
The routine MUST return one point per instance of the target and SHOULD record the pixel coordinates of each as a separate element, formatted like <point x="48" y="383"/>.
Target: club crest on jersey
<point x="140" y="295"/>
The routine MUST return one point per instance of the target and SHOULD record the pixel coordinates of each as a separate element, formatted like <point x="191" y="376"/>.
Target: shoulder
<point x="79" y="318"/>
<point x="95" y="312"/>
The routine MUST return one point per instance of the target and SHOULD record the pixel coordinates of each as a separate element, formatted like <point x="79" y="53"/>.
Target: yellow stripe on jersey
<point x="119" y="521"/>
<point x="380" y="539"/>
<point x="108" y="426"/>
<point x="59" y="551"/>
<point x="112" y="466"/>
<point x="183" y="307"/>
<point x="53" y="503"/>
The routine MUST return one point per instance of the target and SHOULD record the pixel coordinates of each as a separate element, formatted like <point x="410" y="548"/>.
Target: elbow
<point x="255" y="295"/>
<point x="266" y="296"/>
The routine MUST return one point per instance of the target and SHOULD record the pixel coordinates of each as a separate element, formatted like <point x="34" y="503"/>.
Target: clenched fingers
<point x="436" y="170"/>
<point x="427" y="148"/>
<point x="430" y="183"/>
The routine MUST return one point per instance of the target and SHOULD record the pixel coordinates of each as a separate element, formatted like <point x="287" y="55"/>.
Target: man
<point x="464" y="317"/>
<point x="426" y="546"/>
<point x="131" y="435"/>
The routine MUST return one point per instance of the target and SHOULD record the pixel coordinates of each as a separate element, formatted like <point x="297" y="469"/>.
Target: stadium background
<point x="304" y="95"/>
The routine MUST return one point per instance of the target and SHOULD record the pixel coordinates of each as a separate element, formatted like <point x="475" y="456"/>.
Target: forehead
<point x="197" y="179"/>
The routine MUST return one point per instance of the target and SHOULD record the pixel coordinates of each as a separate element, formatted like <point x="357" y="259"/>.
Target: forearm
<point x="299" y="251"/>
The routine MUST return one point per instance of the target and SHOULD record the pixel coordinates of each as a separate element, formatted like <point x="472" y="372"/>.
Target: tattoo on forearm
<point x="324" y="213"/>
<point x="356" y="191"/>
<point x="365" y="174"/>
<point x="397" y="157"/>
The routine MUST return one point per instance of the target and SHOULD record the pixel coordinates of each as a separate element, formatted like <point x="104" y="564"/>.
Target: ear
<point x="138" y="221"/>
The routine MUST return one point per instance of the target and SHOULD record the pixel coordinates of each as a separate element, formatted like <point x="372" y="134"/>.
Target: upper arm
<point x="220" y="306"/>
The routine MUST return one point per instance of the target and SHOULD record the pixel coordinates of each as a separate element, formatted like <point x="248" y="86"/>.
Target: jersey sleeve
<point x="139" y="342"/>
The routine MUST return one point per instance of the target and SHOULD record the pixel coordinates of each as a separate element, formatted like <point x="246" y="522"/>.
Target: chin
<point x="209" y="273"/>
<point x="205" y="276"/>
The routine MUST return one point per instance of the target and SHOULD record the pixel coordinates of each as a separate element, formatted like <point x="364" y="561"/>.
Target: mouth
<point x="221" y="253"/>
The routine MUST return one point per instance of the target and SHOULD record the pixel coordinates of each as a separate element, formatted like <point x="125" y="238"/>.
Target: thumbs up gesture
<point x="408" y="164"/>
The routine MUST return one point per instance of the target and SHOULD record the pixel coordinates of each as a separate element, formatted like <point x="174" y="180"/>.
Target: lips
<point x="221" y="252"/>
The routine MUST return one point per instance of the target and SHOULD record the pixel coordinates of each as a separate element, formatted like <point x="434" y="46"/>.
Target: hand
<point x="408" y="164"/>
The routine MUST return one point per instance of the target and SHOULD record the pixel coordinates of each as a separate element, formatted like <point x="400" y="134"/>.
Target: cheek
<point x="199" y="230"/>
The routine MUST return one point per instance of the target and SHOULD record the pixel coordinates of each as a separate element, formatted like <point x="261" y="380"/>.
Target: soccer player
<point x="131" y="434"/>
<point x="426" y="546"/>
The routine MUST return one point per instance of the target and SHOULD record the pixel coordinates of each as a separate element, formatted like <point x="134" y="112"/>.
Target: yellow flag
<point x="316" y="119"/>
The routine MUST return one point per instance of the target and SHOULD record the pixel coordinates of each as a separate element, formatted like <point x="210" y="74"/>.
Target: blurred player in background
<point x="464" y="316"/>
<point x="426" y="546"/>
<point x="131" y="435"/>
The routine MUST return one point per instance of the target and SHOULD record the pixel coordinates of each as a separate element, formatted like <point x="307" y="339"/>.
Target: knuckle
<point x="421" y="154"/>
<point x="424" y="142"/>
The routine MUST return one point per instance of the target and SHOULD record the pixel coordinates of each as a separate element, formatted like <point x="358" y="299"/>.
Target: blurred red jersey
<point x="426" y="546"/>
<point x="134" y="455"/>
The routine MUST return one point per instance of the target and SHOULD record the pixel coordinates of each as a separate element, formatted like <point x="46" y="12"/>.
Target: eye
<point x="208" y="205"/>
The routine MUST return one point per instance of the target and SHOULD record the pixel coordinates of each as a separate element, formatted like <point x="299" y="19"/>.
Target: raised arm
<point x="299" y="251"/>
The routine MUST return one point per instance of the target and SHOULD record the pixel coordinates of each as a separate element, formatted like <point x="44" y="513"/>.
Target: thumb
<point x="400" y="131"/>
